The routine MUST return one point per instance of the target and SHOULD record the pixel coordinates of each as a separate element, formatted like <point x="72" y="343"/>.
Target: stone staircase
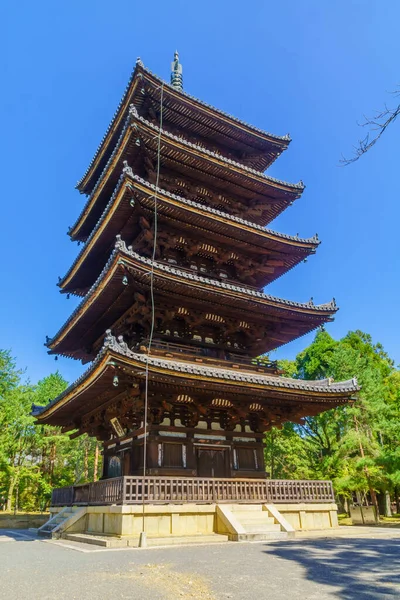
<point x="251" y="522"/>
<point x="54" y="527"/>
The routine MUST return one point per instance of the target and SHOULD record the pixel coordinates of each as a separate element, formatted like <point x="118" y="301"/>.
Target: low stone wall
<point x="160" y="520"/>
<point x="188" y="519"/>
<point x="8" y="521"/>
<point x="305" y="517"/>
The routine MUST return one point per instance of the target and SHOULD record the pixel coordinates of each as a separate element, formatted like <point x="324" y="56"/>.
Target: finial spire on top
<point x="176" y="73"/>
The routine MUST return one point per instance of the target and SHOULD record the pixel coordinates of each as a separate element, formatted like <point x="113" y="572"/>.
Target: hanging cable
<point x="142" y="541"/>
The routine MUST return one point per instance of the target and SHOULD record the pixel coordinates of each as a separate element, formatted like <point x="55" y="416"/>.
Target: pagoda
<point x="176" y="253"/>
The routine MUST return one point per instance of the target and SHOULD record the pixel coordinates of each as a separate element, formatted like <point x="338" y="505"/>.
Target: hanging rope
<point x="146" y="393"/>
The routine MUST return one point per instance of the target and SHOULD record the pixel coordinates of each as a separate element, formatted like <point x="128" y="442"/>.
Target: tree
<point x="17" y="435"/>
<point x="9" y="375"/>
<point x="35" y="458"/>
<point x="62" y="461"/>
<point x="13" y="426"/>
<point x="377" y="126"/>
<point x="357" y="445"/>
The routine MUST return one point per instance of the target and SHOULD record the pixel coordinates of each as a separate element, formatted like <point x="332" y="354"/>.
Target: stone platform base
<point x="238" y="522"/>
<point x="133" y="542"/>
<point x="307" y="517"/>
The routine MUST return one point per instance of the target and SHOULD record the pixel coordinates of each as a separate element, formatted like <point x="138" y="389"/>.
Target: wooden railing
<point x="207" y="355"/>
<point x="107" y="491"/>
<point x="288" y="490"/>
<point x="162" y="490"/>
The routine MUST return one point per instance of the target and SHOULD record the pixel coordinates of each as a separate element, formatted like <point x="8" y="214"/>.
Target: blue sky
<point x="310" y="68"/>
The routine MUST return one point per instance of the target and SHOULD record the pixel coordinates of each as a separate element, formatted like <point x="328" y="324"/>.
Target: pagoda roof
<point x="118" y="215"/>
<point x="187" y="112"/>
<point x="188" y="158"/>
<point x="106" y="302"/>
<point x="92" y="387"/>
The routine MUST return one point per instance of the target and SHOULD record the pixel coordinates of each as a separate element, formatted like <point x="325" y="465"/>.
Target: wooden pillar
<point x="105" y="463"/>
<point x="191" y="462"/>
<point x="152" y="452"/>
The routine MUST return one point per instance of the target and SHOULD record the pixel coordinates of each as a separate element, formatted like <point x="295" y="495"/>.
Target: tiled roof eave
<point x="139" y="67"/>
<point x="328" y="307"/>
<point x="37" y="411"/>
<point x="118" y="347"/>
<point x="95" y="229"/>
<point x="111" y="124"/>
<point x="102" y="175"/>
<point x="324" y="385"/>
<point x="268" y="178"/>
<point x="120" y="248"/>
<point x="278" y="138"/>
<point x="313" y="240"/>
<point x="295" y="188"/>
<point x="129" y="175"/>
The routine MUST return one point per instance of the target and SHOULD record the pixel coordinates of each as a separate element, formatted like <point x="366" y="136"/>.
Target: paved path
<point x="350" y="568"/>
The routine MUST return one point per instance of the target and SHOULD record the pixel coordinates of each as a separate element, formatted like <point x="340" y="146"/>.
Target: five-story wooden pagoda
<point x="172" y="342"/>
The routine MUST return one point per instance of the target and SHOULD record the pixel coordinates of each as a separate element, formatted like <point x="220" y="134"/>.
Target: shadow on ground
<point x="357" y="568"/>
<point x="17" y="535"/>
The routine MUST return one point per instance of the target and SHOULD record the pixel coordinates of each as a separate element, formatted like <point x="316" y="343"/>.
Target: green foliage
<point x="9" y="376"/>
<point x="35" y="458"/>
<point x="315" y="362"/>
<point x="357" y="445"/>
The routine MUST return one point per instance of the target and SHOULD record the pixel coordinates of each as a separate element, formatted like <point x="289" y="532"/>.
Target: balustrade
<point x="209" y="355"/>
<point x="161" y="490"/>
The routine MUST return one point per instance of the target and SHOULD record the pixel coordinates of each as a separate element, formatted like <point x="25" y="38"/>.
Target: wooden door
<point x="211" y="462"/>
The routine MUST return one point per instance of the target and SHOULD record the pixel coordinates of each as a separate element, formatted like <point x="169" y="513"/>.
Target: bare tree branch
<point x="379" y="123"/>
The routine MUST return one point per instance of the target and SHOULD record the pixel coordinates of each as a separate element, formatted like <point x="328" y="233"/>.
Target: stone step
<point x="133" y="542"/>
<point x="48" y="529"/>
<point x="96" y="540"/>
<point x="246" y="508"/>
<point x="265" y="536"/>
<point x="260" y="527"/>
<point x="259" y="517"/>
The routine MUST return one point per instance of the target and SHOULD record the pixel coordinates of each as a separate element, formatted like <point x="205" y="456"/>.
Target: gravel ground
<point x="307" y="569"/>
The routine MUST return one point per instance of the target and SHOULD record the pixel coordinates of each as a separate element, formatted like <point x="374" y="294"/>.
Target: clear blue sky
<point x="309" y="68"/>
